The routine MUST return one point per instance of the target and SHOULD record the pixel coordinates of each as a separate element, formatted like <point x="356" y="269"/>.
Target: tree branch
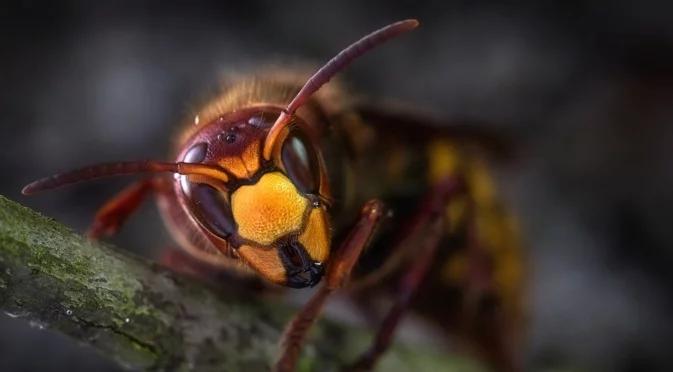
<point x="148" y="318"/>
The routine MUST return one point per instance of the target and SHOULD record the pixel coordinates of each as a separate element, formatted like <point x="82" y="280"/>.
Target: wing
<point x="492" y="139"/>
<point x="452" y="295"/>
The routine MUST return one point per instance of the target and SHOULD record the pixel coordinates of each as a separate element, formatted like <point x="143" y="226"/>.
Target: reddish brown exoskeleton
<point x="295" y="181"/>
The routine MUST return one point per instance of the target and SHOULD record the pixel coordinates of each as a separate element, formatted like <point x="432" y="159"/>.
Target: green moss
<point x="147" y="318"/>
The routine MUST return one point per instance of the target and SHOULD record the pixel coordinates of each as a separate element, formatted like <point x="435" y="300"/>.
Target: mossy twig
<point x="148" y="318"/>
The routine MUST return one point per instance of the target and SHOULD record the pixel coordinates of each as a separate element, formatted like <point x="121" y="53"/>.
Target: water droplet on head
<point x="127" y="320"/>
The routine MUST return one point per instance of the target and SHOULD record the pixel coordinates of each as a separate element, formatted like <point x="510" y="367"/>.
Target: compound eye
<point x="207" y="204"/>
<point x="196" y="154"/>
<point x="212" y="210"/>
<point x="300" y="162"/>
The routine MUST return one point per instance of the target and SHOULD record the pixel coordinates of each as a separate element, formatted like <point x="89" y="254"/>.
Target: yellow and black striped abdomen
<point x="497" y="232"/>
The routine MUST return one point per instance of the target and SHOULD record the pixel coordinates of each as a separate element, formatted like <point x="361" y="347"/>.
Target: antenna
<point x="329" y="70"/>
<point x="129" y="167"/>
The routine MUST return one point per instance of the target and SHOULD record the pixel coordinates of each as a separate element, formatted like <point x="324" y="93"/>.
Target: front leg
<point x="429" y="222"/>
<point x="110" y="217"/>
<point x="338" y="274"/>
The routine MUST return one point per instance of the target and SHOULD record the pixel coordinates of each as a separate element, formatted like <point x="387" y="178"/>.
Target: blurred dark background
<point x="586" y="87"/>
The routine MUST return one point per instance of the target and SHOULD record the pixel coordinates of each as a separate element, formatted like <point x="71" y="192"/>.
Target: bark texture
<point x="148" y="318"/>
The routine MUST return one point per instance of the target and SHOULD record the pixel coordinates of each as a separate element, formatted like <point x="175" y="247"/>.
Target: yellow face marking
<point x="315" y="237"/>
<point x="245" y="164"/>
<point x="269" y="209"/>
<point x="266" y="262"/>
